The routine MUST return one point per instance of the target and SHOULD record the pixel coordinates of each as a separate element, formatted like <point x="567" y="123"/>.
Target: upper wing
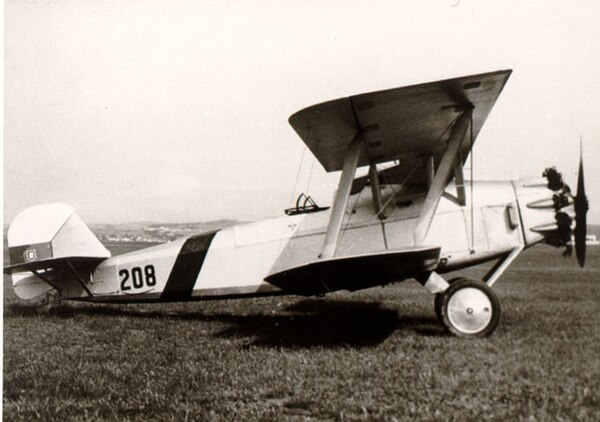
<point x="402" y="123"/>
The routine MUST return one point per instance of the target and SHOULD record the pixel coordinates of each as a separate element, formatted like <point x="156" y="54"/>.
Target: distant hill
<point x="154" y="232"/>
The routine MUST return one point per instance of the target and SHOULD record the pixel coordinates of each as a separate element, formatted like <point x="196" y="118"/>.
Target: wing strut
<point x="429" y="165"/>
<point x="460" y="181"/>
<point x="444" y="172"/>
<point x="341" y="197"/>
<point x="376" y="192"/>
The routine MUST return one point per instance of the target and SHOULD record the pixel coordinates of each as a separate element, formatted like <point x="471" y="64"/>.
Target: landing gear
<point x="468" y="308"/>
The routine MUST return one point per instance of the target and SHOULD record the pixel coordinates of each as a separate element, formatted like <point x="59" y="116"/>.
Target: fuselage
<point x="234" y="261"/>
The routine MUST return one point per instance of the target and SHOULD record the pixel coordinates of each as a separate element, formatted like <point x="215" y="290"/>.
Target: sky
<point x="176" y="111"/>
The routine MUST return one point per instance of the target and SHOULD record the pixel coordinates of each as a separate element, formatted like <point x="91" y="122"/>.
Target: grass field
<point x="372" y="355"/>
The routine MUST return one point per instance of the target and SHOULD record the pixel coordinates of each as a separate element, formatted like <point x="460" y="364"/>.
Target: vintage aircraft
<point x="412" y="215"/>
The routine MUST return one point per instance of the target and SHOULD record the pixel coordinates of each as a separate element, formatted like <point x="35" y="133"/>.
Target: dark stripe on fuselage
<point x="186" y="268"/>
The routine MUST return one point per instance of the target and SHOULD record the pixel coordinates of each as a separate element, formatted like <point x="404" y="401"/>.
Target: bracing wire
<point x="282" y="241"/>
<point x="384" y="206"/>
<point x="297" y="176"/>
<point x="347" y="225"/>
<point x="395" y="192"/>
<point x="310" y="174"/>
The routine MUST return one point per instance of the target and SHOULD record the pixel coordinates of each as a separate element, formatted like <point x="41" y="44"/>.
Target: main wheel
<point x="469" y="308"/>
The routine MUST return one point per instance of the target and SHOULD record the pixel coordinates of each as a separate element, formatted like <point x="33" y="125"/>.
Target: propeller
<point x="562" y="198"/>
<point x="581" y="209"/>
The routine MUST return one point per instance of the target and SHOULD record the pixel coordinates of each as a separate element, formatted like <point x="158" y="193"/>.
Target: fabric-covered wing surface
<point x="402" y="123"/>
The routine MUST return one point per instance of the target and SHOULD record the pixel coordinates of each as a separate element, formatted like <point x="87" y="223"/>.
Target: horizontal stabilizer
<point x="356" y="272"/>
<point x="77" y="262"/>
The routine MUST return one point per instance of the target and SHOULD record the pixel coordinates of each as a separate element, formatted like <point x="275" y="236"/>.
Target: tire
<point x="437" y="301"/>
<point x="469" y="308"/>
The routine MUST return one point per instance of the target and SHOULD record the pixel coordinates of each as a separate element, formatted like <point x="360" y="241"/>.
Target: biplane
<point x="403" y="209"/>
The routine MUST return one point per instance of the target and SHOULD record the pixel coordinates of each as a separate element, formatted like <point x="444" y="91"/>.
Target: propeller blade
<point x="581" y="209"/>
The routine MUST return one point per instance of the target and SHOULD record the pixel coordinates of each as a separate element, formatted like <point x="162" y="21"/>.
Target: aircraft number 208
<point x="137" y="277"/>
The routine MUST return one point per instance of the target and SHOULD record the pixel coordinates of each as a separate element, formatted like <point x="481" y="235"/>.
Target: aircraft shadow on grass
<point x="307" y="323"/>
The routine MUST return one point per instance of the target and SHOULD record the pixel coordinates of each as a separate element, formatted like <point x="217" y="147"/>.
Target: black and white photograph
<point x="302" y="210"/>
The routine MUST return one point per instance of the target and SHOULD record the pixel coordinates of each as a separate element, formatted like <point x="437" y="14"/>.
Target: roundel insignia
<point x="30" y="255"/>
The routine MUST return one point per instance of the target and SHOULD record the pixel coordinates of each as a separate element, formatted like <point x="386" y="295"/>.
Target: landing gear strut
<point x="468" y="308"/>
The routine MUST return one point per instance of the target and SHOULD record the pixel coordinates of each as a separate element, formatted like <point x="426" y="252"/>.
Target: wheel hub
<point x="469" y="310"/>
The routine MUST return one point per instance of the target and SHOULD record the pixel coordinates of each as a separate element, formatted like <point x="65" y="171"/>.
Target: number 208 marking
<point x="138" y="277"/>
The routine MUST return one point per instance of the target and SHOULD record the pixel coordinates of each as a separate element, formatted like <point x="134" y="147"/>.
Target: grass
<point x="378" y="354"/>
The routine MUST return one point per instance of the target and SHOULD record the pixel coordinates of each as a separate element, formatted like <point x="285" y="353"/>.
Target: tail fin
<point x="49" y="236"/>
